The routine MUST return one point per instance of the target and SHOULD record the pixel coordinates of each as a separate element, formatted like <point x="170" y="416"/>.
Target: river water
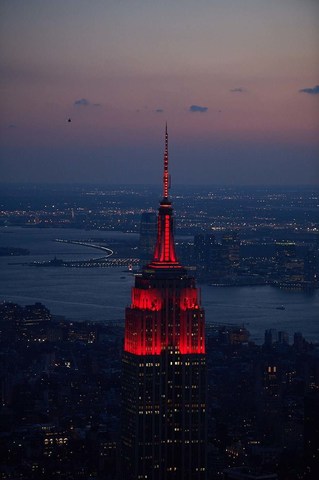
<point x="101" y="294"/>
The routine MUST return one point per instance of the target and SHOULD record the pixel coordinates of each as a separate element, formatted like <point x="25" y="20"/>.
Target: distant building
<point x="230" y="251"/>
<point x="311" y="268"/>
<point x="269" y="402"/>
<point x="299" y="342"/>
<point x="24" y="323"/>
<point x="283" y="338"/>
<point x="271" y="337"/>
<point x="205" y="255"/>
<point x="311" y="432"/>
<point x="217" y="262"/>
<point x="289" y="267"/>
<point x="148" y="231"/>
<point x="244" y="473"/>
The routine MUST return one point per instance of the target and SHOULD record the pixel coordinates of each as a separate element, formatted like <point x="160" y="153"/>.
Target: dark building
<point x="271" y="337"/>
<point x="205" y="255"/>
<point x="290" y="268"/>
<point x="29" y="323"/>
<point x="217" y="262"/>
<point x="148" y="231"/>
<point x="227" y="259"/>
<point x="311" y="268"/>
<point x="230" y="252"/>
<point x="164" y="386"/>
<point x="270" y="402"/>
<point x="311" y="433"/>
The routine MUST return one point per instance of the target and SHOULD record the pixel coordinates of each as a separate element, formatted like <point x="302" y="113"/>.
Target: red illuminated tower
<point x="163" y="394"/>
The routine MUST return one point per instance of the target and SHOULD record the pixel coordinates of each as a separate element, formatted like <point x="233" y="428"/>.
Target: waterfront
<point x="102" y="294"/>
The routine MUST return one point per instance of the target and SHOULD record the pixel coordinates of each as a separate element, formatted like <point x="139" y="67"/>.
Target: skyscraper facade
<point x="164" y="385"/>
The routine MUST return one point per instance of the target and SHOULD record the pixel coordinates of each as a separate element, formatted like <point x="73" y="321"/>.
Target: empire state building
<point x="163" y="381"/>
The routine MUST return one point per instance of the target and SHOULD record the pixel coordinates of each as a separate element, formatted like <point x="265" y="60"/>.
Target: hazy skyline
<point x="236" y="80"/>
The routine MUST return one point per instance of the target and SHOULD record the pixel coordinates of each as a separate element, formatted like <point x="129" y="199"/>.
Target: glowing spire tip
<point x="166" y="174"/>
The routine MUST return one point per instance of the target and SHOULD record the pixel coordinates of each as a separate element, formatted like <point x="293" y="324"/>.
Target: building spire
<point x="166" y="174"/>
<point x="164" y="254"/>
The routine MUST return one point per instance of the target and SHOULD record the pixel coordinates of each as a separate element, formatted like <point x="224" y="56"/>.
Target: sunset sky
<point x="236" y="80"/>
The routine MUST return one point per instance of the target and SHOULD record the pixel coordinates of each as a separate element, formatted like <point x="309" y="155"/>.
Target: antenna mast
<point x="166" y="175"/>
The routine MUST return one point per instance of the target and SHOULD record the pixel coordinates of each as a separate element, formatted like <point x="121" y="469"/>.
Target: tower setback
<point x="163" y="381"/>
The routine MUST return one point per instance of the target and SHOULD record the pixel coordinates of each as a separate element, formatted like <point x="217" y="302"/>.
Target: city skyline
<point x="237" y="83"/>
<point x="196" y="403"/>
